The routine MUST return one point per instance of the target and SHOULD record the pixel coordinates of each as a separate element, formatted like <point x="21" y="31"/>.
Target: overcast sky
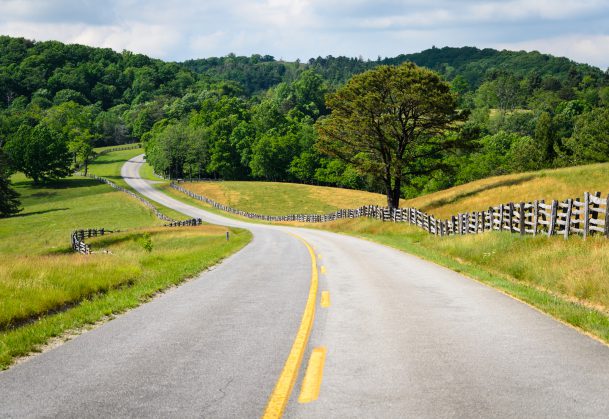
<point x="289" y="29"/>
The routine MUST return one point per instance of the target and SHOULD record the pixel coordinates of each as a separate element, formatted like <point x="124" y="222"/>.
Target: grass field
<point x="109" y="166"/>
<point x="558" y="184"/>
<point x="273" y="198"/>
<point x="45" y="289"/>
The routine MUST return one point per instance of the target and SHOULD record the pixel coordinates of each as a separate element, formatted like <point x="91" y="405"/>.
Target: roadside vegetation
<point x="564" y="278"/>
<point x="46" y="289"/>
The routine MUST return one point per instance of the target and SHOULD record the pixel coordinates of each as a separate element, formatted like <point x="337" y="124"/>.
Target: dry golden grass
<point x="274" y="198"/>
<point x="546" y="184"/>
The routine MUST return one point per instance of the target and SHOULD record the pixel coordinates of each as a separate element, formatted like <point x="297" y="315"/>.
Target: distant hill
<point x="474" y="65"/>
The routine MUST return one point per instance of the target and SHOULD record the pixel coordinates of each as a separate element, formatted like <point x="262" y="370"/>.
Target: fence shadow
<point x="27" y="214"/>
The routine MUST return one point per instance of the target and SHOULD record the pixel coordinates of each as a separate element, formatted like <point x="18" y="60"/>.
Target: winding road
<point x="401" y="337"/>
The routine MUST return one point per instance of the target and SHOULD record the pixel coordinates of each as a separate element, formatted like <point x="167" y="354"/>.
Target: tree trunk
<point x="393" y="193"/>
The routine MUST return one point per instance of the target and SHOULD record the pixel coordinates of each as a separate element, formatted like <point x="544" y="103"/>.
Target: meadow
<point x="47" y="290"/>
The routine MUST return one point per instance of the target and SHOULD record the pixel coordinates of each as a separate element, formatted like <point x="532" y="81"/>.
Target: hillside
<point x="258" y="73"/>
<point x="255" y="118"/>
<point x="558" y="184"/>
<point x="272" y="198"/>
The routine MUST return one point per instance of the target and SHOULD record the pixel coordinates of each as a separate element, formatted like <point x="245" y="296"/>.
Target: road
<point x="403" y="338"/>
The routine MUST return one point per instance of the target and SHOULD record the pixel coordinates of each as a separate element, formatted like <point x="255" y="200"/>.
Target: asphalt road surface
<point x="402" y="338"/>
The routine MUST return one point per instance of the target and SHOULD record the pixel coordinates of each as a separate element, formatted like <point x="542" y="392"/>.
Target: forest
<point x="254" y="117"/>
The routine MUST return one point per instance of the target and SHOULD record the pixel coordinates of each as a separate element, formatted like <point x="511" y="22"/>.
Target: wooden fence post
<point x="553" y="217"/>
<point x="568" y="217"/>
<point x="522" y="219"/>
<point x="607" y="217"/>
<point x="535" y="217"/>
<point x="500" y="217"/>
<point x="586" y="214"/>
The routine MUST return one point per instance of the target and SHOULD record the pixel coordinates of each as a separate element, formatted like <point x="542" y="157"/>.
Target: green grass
<point x="558" y="184"/>
<point x="177" y="254"/>
<point x="51" y="212"/>
<point x="272" y="198"/>
<point x="146" y="172"/>
<point x="566" y="279"/>
<point x="109" y="166"/>
<point x="40" y="275"/>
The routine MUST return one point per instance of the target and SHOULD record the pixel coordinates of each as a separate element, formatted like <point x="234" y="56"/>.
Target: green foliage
<point x="590" y="140"/>
<point x="251" y="117"/>
<point x="390" y="123"/>
<point x="146" y="242"/>
<point x="9" y="198"/>
<point x="40" y="152"/>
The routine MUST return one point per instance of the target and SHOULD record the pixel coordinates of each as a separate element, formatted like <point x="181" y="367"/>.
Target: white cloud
<point x="182" y="29"/>
<point x="153" y="40"/>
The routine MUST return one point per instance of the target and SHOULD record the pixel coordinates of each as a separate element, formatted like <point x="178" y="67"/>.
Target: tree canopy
<point x="390" y="122"/>
<point x="253" y="117"/>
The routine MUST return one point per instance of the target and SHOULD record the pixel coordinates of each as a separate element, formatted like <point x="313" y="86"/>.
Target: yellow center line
<point x="325" y="299"/>
<point x="323" y="269"/>
<point x="281" y="393"/>
<point x="312" y="379"/>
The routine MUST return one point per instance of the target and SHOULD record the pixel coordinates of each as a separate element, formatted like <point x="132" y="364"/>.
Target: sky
<point x="177" y="30"/>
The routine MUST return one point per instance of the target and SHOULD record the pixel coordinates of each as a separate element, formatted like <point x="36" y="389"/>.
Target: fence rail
<point x="586" y="216"/>
<point x="78" y="236"/>
<point x="78" y="239"/>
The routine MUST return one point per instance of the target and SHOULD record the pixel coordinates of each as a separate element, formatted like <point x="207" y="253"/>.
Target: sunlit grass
<point x="109" y="166"/>
<point x="101" y="284"/>
<point x="558" y="184"/>
<point x="272" y="198"/>
<point x="51" y="212"/>
<point x="46" y="289"/>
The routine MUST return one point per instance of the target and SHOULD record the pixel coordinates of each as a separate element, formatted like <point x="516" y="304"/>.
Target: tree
<point x="75" y="122"/>
<point x="544" y="135"/>
<point x="590" y="140"/>
<point x="41" y="153"/>
<point x="390" y="122"/>
<point x="9" y="198"/>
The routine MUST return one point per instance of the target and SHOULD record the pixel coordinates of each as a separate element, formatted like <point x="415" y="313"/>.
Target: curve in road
<point x="402" y="338"/>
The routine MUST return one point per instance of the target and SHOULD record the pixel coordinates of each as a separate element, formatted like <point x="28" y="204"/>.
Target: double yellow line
<point x="281" y="393"/>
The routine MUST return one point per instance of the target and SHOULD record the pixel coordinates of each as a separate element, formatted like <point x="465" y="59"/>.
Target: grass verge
<point x="133" y="276"/>
<point x="567" y="279"/>
<point x="109" y="166"/>
<point x="46" y="290"/>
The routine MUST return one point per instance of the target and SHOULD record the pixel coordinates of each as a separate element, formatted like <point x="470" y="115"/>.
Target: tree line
<point x="256" y="117"/>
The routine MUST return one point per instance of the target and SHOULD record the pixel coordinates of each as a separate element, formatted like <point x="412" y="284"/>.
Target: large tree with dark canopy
<point x="9" y="198"/>
<point x="391" y="122"/>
